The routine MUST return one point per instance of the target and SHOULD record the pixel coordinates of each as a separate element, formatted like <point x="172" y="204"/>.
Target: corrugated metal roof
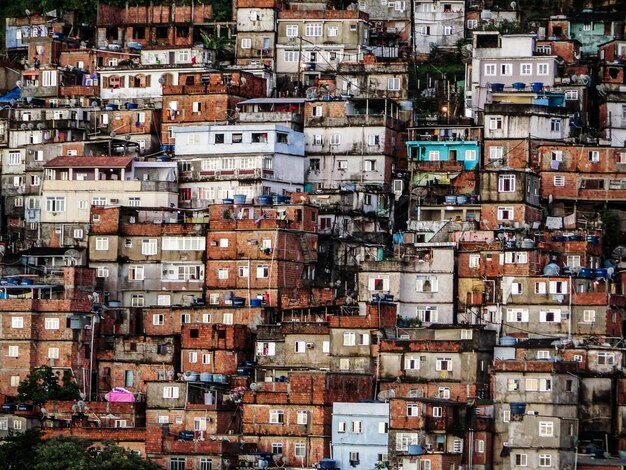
<point x="89" y="162"/>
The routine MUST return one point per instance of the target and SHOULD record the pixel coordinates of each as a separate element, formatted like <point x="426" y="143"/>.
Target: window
<point x="517" y="288"/>
<point x="313" y="30"/>
<point x="102" y="272"/>
<point x="506" y="69"/>
<point x="15" y="380"/>
<point x="102" y="244"/>
<point x="292" y="31"/>
<point x="490" y="69"/>
<point x="532" y="385"/>
<point x="15" y="158"/>
<point x="277" y="416"/>
<point x="411" y="363"/>
<point x="182" y="244"/>
<point x="521" y="460"/>
<point x="506" y="213"/>
<point x="332" y="31"/>
<point x="545" y="460"/>
<point x="543" y="69"/>
<point x="53" y="353"/>
<point x="149" y="247"/>
<point x="354" y="458"/>
<point x="550" y="316"/>
<point x="412" y="410"/>
<point x="427" y="284"/>
<point x="357" y="426"/>
<point x="177" y="463"/>
<point x="606" y="358"/>
<point x="433" y="156"/>
<point x="427" y="314"/>
<point x="344" y="363"/>
<point x="137" y="300"/>
<point x="589" y="316"/>
<point x="512" y="385"/>
<point x="496" y="152"/>
<point x="158" y="319"/>
<point x="467" y="334"/>
<point x="526" y="69"/>
<point x="594" y="156"/>
<point x="227" y="319"/>
<point x="196" y="107"/>
<point x="443" y="363"/>
<point x="55" y="204"/>
<point x="571" y="95"/>
<point x="170" y="392"/>
<point x="246" y="43"/>
<point x="302" y="417"/>
<point x="543" y="354"/>
<point x="546" y="428"/>
<point x="470" y="155"/>
<point x="51" y="323"/>
<point x="479" y="446"/>
<point x="17" y="322"/>
<point x="472" y="24"/>
<point x="193" y="357"/>
<point x="516" y="257"/>
<point x="193" y="138"/>
<point x="517" y="315"/>
<point x="291" y="56"/>
<point x="393" y="84"/>
<point x="341" y="427"/>
<point x="559" y="181"/>
<point x="262" y="271"/>
<point x="506" y="183"/>
<point x="437" y="411"/>
<point x="474" y="260"/>
<point x="349" y="339"/>
<point x="13" y="351"/>
<point x="545" y="385"/>
<point x="135" y="273"/>
<point x="587" y="26"/>
<point x="299" y="450"/>
<point x="335" y="139"/>
<point x="555" y="125"/>
<point x="558" y="287"/>
<point x="506" y="416"/>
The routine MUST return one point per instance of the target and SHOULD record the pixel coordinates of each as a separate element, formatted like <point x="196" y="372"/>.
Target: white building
<point x="218" y="162"/>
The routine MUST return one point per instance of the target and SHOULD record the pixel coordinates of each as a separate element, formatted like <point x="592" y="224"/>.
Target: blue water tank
<point x="185" y="436"/>
<point x="507" y="341"/>
<point x="327" y="464"/>
<point x="265" y="200"/>
<point x="518" y="408"/>
<point x="415" y="449"/>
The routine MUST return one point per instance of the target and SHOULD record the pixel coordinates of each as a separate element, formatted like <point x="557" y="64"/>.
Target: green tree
<point x="29" y="451"/>
<point x="43" y="384"/>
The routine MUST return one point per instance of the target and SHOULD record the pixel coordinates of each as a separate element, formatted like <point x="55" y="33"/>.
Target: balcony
<point x="226" y="175"/>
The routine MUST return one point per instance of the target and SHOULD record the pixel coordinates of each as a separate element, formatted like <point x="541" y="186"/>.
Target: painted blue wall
<point x="420" y="151"/>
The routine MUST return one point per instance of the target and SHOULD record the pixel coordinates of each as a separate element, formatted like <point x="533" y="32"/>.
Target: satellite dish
<point x="71" y="253"/>
<point x="127" y="137"/>
<point x="18" y="84"/>
<point x="27" y="11"/>
<point x="23" y="127"/>
<point x="31" y="126"/>
<point x="255" y="386"/>
<point x="13" y="102"/>
<point x="585" y="79"/>
<point x="513" y="5"/>
<point x="94" y="104"/>
<point x="161" y="80"/>
<point x="41" y="126"/>
<point x="574" y="78"/>
<point x="113" y="134"/>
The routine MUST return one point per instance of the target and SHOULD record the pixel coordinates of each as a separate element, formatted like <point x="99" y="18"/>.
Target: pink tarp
<point x="120" y="395"/>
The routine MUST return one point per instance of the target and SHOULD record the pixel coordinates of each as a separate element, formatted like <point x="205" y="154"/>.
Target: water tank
<point x="497" y="87"/>
<point x="461" y="199"/>
<point x="450" y="199"/>
<point x="528" y="243"/>
<point x="328" y="464"/>
<point x="265" y="200"/>
<point x="185" y="435"/>
<point x="192" y="376"/>
<point x="228" y="201"/>
<point x="586" y="273"/>
<point x="507" y="341"/>
<point x="255" y="302"/>
<point x="518" y="86"/>
<point x="239" y="301"/>
<point x="518" y="408"/>
<point x="239" y="198"/>
<point x="536" y="86"/>
<point x="283" y="199"/>
<point x="25" y="407"/>
<point x="415" y="449"/>
<point x="206" y="377"/>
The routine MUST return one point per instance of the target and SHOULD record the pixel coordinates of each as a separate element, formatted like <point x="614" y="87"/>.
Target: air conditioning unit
<point x="115" y="201"/>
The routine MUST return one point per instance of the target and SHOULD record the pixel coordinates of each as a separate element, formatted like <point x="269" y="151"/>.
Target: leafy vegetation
<point x="29" y="451"/>
<point x="43" y="384"/>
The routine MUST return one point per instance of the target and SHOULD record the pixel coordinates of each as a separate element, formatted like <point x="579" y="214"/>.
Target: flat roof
<point x="274" y="101"/>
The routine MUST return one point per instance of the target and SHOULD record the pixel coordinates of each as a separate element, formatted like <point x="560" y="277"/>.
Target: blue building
<point x="360" y="435"/>
<point x="445" y="144"/>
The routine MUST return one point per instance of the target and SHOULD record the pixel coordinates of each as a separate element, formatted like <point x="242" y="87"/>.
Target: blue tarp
<point x="14" y="94"/>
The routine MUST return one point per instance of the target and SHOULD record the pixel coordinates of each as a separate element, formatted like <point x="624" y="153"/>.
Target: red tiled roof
<point x="89" y="162"/>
